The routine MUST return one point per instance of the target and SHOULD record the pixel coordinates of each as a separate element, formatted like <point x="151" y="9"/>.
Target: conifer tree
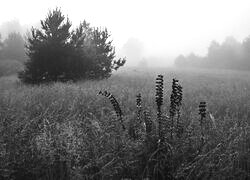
<point x="57" y="53"/>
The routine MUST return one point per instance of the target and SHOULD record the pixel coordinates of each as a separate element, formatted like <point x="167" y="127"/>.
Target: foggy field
<point x="71" y="120"/>
<point x="125" y="90"/>
<point x="226" y="92"/>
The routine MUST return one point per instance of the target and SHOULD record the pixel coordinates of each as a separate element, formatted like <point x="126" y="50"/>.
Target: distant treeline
<point x="12" y="48"/>
<point x="12" y="54"/>
<point x="231" y="54"/>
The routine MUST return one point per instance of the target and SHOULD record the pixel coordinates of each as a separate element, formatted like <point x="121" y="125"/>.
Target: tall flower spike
<point x="179" y="95"/>
<point x="139" y="107"/>
<point x="174" y="104"/>
<point x="179" y="125"/>
<point x="134" y="127"/>
<point x="173" y="98"/>
<point x="115" y="105"/>
<point x="202" y="112"/>
<point x="159" y="103"/>
<point x="159" y="91"/>
<point x="202" y="109"/>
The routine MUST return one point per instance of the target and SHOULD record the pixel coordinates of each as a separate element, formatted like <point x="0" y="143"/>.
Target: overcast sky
<point x="165" y="28"/>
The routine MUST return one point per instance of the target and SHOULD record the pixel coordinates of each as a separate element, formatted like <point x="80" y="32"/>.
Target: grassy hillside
<point x="68" y="131"/>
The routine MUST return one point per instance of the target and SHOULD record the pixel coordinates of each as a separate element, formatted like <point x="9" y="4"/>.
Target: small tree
<point x="58" y="54"/>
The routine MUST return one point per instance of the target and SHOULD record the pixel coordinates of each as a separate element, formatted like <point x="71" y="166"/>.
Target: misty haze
<point x="125" y="90"/>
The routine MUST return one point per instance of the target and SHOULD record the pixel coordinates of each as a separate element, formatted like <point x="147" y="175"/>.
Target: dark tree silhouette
<point x="58" y="54"/>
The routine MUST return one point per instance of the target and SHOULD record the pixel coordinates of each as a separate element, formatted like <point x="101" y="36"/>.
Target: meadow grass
<point x="68" y="131"/>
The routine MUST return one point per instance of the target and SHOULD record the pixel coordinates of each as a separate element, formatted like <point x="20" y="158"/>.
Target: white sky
<point x="167" y="28"/>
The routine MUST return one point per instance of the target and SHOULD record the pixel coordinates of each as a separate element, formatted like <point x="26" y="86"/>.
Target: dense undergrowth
<point x="68" y="131"/>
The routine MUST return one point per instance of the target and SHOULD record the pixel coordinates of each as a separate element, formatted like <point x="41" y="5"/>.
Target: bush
<point x="58" y="54"/>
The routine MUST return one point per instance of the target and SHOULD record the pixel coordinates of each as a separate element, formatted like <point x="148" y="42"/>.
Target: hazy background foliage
<point x="12" y="54"/>
<point x="230" y="54"/>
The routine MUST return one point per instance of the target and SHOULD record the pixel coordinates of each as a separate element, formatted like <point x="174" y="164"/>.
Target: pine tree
<point x="58" y="54"/>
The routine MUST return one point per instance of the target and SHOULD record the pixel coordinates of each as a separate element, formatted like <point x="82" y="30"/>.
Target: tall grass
<point x="66" y="131"/>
